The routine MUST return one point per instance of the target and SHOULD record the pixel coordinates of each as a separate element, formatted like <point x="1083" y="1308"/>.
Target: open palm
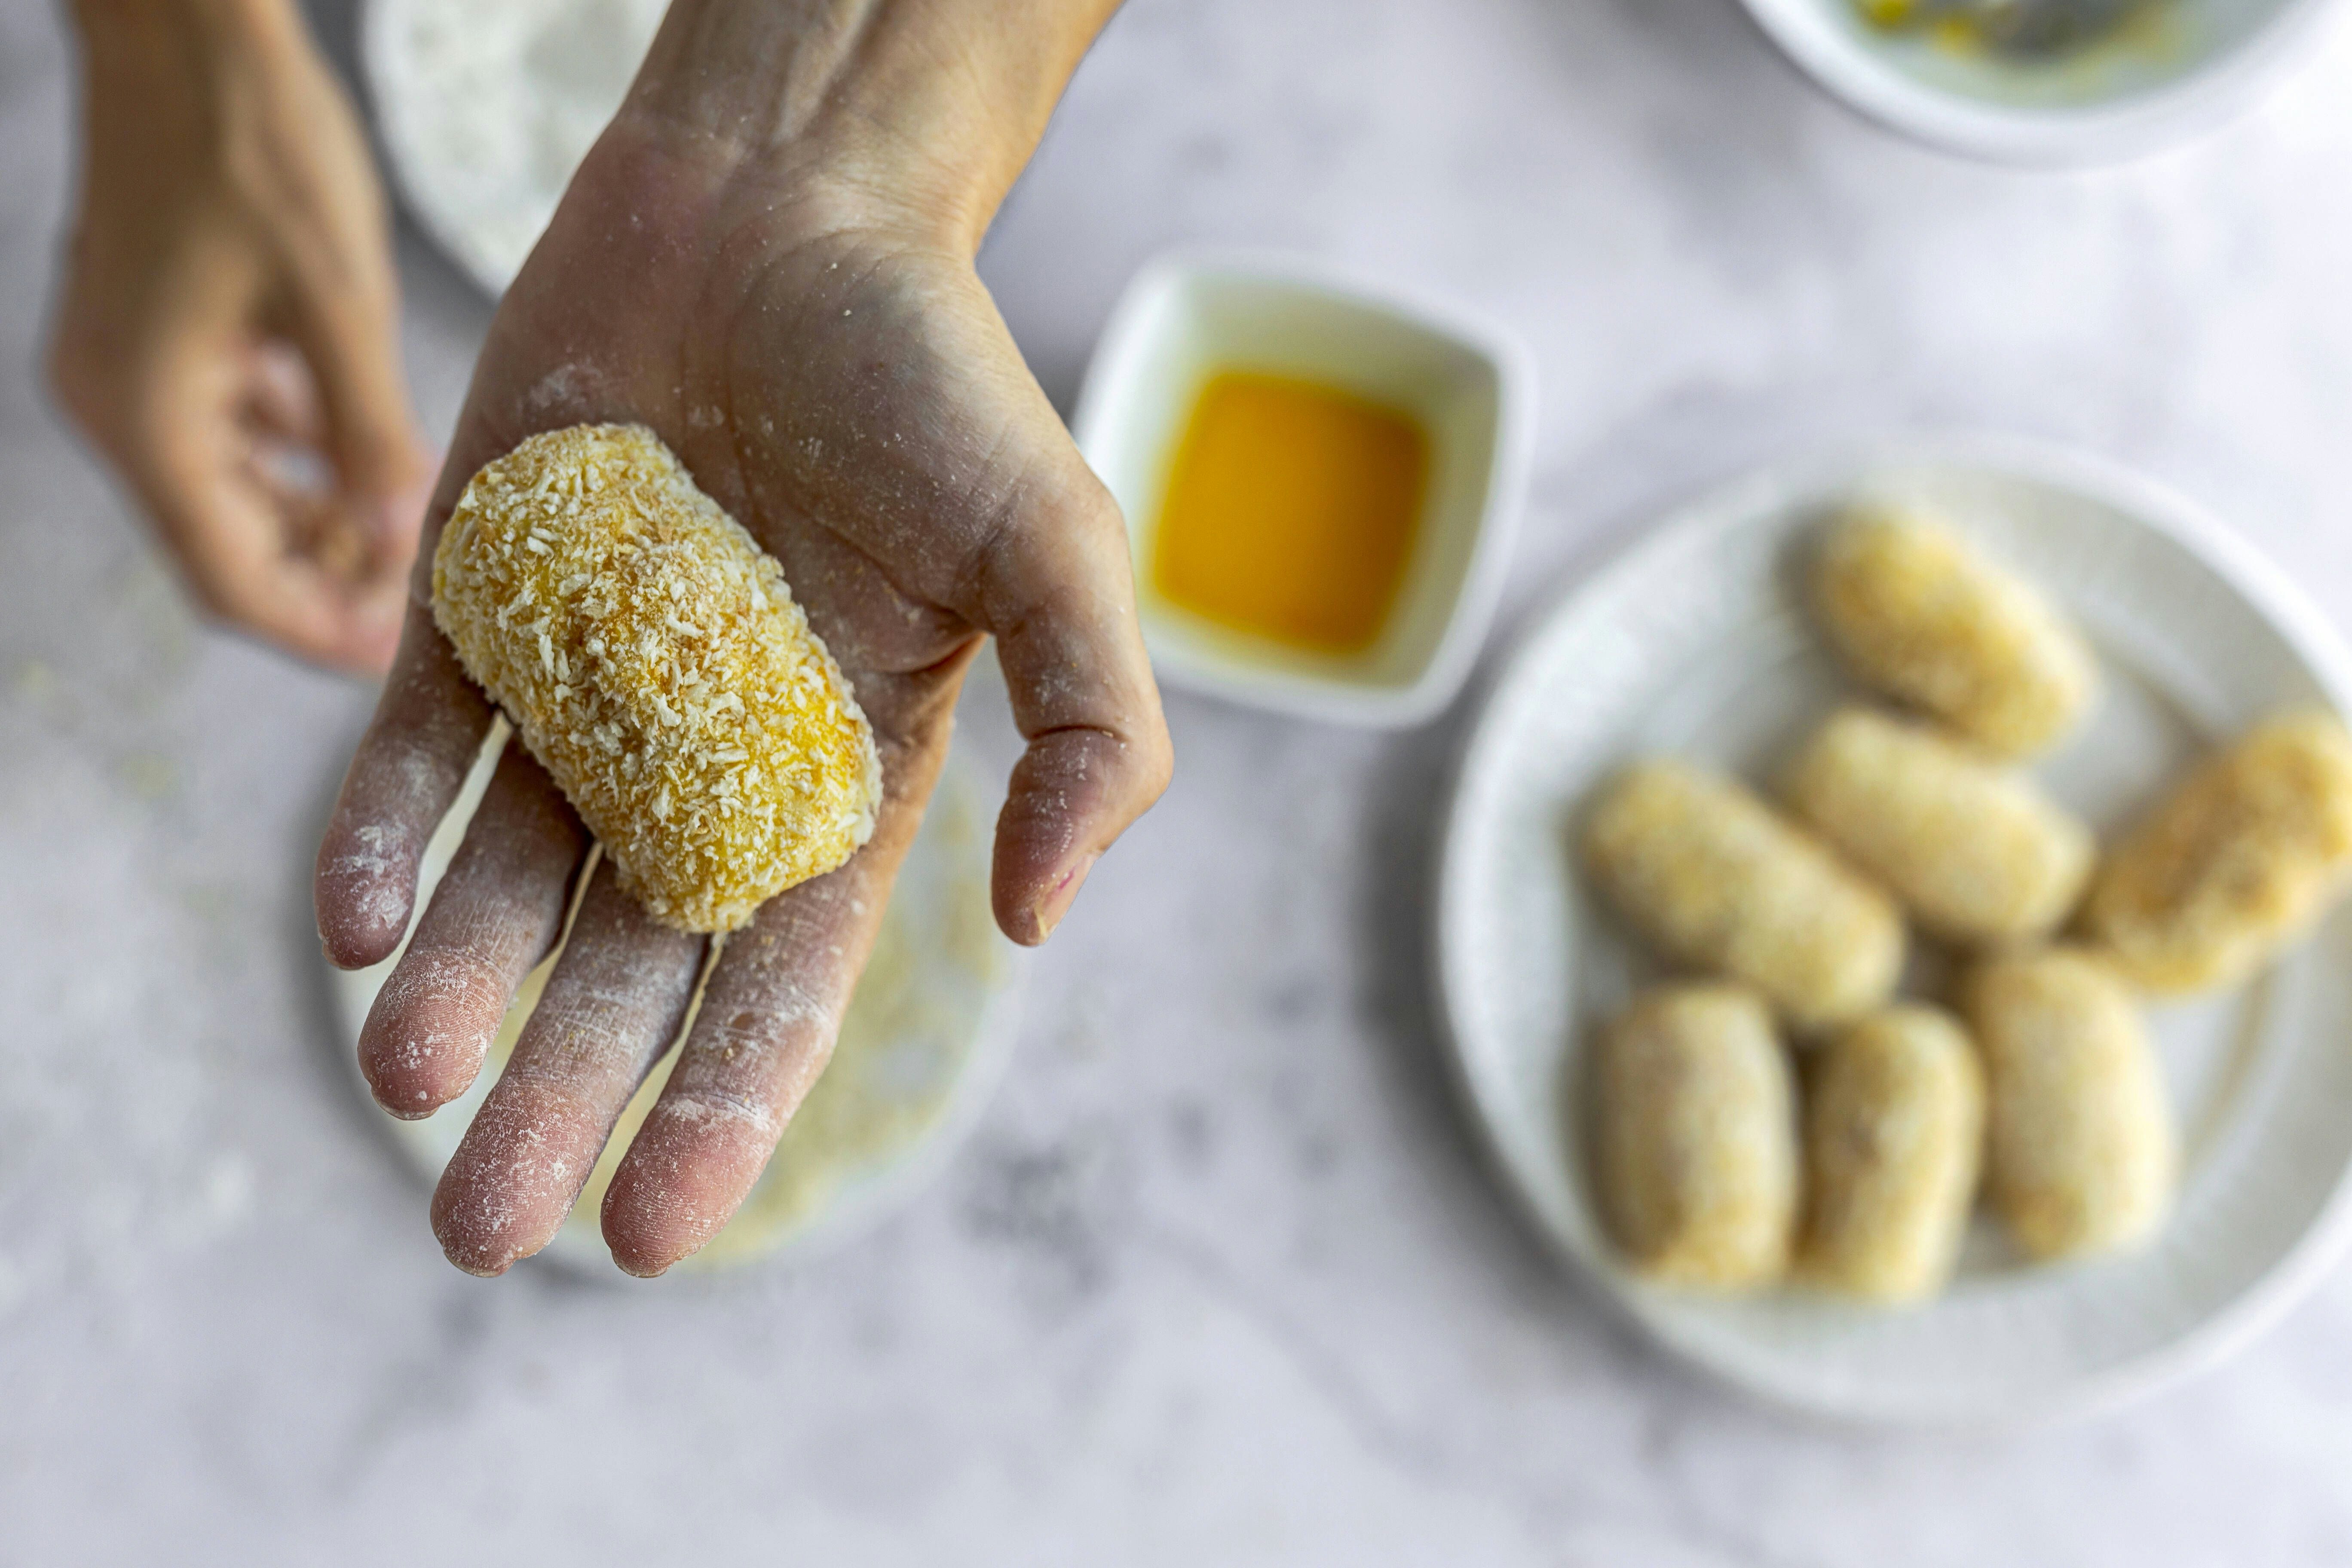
<point x="841" y="383"/>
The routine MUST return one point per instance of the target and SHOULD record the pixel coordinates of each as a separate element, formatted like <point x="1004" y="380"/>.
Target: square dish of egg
<point x="1319" y="480"/>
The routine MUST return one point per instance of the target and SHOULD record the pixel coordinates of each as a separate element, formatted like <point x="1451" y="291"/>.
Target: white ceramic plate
<point x="924" y="1043"/>
<point x="1694" y="643"/>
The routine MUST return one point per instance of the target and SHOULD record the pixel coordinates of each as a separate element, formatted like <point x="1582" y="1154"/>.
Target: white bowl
<point x="486" y="111"/>
<point x="2186" y="67"/>
<point x="1185" y="318"/>
<point x="1696" y="643"/>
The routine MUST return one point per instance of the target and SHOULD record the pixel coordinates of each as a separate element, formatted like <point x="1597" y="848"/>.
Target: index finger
<point x="410" y="766"/>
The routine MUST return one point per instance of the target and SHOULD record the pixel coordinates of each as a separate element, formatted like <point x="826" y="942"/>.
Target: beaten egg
<point x="1290" y="511"/>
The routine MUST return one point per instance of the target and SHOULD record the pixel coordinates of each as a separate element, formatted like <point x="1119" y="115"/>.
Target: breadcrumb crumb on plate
<point x="655" y="662"/>
<point x="1700" y="644"/>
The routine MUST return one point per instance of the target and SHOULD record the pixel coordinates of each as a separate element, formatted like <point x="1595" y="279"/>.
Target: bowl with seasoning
<point x="2044" y="81"/>
<point x="1321" y="482"/>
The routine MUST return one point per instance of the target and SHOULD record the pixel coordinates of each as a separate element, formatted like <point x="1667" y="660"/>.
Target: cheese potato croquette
<point x="1923" y="617"/>
<point x="652" y="660"/>
<point x="1974" y="850"/>
<point x="2079" y="1150"/>
<point x="1697" y="1138"/>
<point x="2240" y="860"/>
<point x="1894" y="1131"/>
<point x="1718" y="879"/>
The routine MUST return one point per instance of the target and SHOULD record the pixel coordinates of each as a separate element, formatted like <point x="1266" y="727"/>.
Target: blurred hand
<point x="799" y="318"/>
<point x="228" y="333"/>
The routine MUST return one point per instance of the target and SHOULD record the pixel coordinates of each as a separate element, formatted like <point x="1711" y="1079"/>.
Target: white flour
<point x="488" y="106"/>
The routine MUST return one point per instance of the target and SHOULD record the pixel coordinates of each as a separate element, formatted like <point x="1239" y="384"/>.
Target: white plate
<point x="926" y="1041"/>
<point x="1694" y="643"/>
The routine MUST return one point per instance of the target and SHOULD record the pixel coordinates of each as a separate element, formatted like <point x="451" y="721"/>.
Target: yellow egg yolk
<point x="1290" y="511"/>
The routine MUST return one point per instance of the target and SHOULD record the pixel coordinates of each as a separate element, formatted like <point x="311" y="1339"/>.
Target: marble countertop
<point x="1220" y="1280"/>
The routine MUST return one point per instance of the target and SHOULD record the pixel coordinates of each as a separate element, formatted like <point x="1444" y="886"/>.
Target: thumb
<point x="1057" y="591"/>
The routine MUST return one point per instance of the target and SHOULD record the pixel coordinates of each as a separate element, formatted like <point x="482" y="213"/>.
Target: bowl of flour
<point x="486" y="109"/>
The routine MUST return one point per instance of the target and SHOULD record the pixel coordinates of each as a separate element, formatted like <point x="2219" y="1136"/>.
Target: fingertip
<point x="362" y="914"/>
<point x="362" y="890"/>
<point x="509" y="1188"/>
<point x="426" y="1036"/>
<point x="689" y="1168"/>
<point x="635" y="1266"/>
<point x="644" y="1248"/>
<point x="462" y="1244"/>
<point x="639" y="1263"/>
<point x="399" y="1095"/>
<point x="1030" y="916"/>
<point x="647" y="1228"/>
<point x="1073" y="792"/>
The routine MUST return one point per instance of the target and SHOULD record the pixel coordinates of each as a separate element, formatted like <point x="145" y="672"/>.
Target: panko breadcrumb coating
<point x="1704" y="868"/>
<point x="2241" y="858"/>
<point x="1921" y="616"/>
<point x="1894" y="1133"/>
<point x="1974" y="850"/>
<point x="2079" y="1148"/>
<point x="1695" y="1138"/>
<point x="652" y="660"/>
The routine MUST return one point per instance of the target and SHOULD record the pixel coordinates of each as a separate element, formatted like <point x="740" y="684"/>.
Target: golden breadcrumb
<point x="654" y="661"/>
<point x="1974" y="850"/>
<point x="2079" y="1149"/>
<point x="1893" y="1130"/>
<point x="1695" y="1138"/>
<point x="1711" y="874"/>
<point x="1920" y="615"/>
<point x="2241" y="858"/>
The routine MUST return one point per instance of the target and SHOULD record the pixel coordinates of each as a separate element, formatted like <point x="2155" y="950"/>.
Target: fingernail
<point x="1056" y="903"/>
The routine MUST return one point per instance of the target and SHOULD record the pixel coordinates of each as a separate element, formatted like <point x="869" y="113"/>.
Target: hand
<point x="829" y="367"/>
<point x="228" y="333"/>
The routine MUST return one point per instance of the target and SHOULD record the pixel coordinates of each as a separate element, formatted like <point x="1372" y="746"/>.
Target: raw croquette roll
<point x="2238" y="860"/>
<point x="1920" y="615"/>
<point x="1974" y="850"/>
<point x="1695" y="1138"/>
<point x="1718" y="879"/>
<point x="654" y="661"/>
<point x="2079" y="1149"/>
<point x="1894" y="1133"/>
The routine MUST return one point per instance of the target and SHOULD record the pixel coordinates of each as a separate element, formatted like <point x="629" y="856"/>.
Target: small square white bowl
<point x="1184" y="319"/>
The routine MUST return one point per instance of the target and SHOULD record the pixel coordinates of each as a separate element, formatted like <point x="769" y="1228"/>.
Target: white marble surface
<point x="1219" y="1280"/>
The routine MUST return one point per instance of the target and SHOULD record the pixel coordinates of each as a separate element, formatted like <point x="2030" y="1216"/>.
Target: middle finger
<point x="616" y="1000"/>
